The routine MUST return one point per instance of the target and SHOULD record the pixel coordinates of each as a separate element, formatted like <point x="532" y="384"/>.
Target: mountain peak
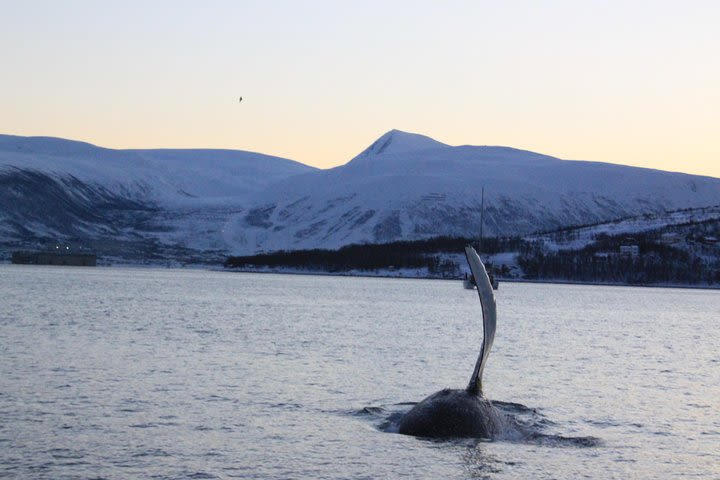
<point x="397" y="141"/>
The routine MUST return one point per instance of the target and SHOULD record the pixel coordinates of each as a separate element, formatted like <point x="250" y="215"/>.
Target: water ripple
<point x="138" y="373"/>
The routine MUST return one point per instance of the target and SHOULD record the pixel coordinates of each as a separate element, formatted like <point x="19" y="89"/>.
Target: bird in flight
<point x="240" y="100"/>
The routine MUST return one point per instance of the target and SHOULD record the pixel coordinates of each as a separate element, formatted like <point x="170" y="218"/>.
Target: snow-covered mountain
<point x="164" y="176"/>
<point x="407" y="186"/>
<point x="133" y="205"/>
<point x="204" y="204"/>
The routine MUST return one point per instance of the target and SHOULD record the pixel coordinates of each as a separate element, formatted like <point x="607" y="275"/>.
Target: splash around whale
<point x="462" y="412"/>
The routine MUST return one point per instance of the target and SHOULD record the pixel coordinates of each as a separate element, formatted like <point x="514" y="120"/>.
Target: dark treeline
<point x="354" y="257"/>
<point x="675" y="268"/>
<point x="406" y="254"/>
<point x="600" y="262"/>
<point x="694" y="259"/>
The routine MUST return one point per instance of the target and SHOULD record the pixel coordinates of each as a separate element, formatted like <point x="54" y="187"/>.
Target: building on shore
<point x="632" y="251"/>
<point x="54" y="258"/>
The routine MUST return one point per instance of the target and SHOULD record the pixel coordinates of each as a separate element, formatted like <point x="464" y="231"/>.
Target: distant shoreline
<point x="501" y="280"/>
<point x="602" y="284"/>
<point x="198" y="266"/>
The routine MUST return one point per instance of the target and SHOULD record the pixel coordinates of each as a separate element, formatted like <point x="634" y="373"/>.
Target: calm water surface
<point x="130" y="373"/>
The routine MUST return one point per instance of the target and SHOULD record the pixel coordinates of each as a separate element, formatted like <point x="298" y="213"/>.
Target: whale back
<point x="489" y="316"/>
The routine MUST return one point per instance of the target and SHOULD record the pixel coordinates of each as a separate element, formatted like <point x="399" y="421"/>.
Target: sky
<point x="630" y="82"/>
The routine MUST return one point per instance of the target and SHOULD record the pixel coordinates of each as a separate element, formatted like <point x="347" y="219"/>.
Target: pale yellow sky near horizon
<point x="633" y="82"/>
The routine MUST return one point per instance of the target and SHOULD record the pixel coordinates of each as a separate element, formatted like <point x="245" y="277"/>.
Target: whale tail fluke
<point x="489" y="316"/>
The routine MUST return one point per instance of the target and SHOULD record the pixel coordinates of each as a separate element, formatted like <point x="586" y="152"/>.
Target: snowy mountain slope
<point x="204" y="204"/>
<point x="578" y="238"/>
<point x="163" y="175"/>
<point x="406" y="186"/>
<point x="54" y="190"/>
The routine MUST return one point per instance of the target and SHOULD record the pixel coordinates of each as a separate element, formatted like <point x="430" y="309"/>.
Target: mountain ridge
<point x="398" y="141"/>
<point x="435" y="191"/>
<point x="207" y="203"/>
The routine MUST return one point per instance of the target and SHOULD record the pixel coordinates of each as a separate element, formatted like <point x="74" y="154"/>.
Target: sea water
<point x="154" y="373"/>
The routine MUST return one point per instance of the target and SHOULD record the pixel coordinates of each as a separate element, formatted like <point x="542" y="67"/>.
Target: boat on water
<point x="469" y="282"/>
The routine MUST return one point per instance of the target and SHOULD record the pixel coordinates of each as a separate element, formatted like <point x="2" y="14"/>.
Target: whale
<point x="464" y="413"/>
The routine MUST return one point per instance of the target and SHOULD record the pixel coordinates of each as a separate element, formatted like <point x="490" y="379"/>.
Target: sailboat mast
<point x="482" y="215"/>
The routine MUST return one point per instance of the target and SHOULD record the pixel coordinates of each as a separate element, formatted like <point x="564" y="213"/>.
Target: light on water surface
<point x="132" y="373"/>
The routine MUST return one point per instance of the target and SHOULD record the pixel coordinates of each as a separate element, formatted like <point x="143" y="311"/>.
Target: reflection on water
<point x="121" y="373"/>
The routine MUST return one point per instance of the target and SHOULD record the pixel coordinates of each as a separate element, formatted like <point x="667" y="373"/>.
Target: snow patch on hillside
<point x="581" y="237"/>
